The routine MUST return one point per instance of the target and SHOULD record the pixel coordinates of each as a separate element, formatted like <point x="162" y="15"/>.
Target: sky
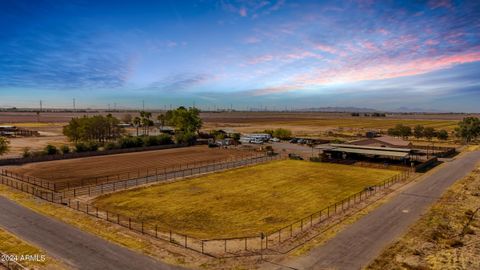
<point x="279" y="54"/>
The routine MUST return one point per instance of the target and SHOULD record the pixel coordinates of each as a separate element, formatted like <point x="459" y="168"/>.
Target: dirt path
<point x="362" y="241"/>
<point x="77" y="249"/>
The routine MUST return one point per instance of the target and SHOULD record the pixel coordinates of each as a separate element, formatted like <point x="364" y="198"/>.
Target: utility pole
<point x="40" y="105"/>
<point x="143" y="105"/>
<point x="74" y="105"/>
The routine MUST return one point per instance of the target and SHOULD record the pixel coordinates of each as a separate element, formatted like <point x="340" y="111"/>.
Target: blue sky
<point x="275" y="53"/>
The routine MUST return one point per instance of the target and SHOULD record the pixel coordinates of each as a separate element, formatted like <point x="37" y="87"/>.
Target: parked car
<point x="275" y="140"/>
<point x="257" y="141"/>
<point x="301" y="141"/>
<point x="294" y="140"/>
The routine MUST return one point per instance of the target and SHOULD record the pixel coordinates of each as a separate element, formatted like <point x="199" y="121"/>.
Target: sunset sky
<point x="278" y="53"/>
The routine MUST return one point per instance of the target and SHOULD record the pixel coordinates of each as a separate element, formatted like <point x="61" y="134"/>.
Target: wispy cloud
<point x="67" y="62"/>
<point x="178" y="83"/>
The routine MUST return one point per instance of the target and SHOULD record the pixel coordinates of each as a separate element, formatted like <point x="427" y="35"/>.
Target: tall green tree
<point x="184" y="120"/>
<point x="468" y="129"/>
<point x="4" y="145"/>
<point x="418" y="131"/>
<point x="137" y="122"/>
<point x="442" y="135"/>
<point x="429" y="133"/>
<point x="95" y="128"/>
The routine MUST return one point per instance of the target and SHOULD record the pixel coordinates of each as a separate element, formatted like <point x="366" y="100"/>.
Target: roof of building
<point x="405" y="150"/>
<point x="392" y="140"/>
<point x="371" y="152"/>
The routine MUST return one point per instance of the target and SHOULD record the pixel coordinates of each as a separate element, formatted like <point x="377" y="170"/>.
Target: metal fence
<point x="110" y="182"/>
<point x="24" y="160"/>
<point x="218" y="247"/>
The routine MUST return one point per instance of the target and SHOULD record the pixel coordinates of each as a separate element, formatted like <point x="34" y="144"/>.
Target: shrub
<point x="81" y="147"/>
<point x="150" y="140"/>
<point x="65" y="149"/>
<point x="282" y="134"/>
<point x="188" y="138"/>
<point x="26" y="152"/>
<point x="111" y="145"/>
<point x="51" y="150"/>
<point x="164" y="139"/>
<point x="92" y="146"/>
<point x="129" y="142"/>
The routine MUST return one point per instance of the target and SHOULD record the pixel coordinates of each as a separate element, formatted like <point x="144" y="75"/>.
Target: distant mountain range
<point x="367" y="110"/>
<point x="338" y="109"/>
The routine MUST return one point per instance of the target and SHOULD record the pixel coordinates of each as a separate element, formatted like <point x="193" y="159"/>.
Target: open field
<point x="78" y="169"/>
<point x="446" y="237"/>
<point x="314" y="124"/>
<point x="243" y="201"/>
<point x="311" y="124"/>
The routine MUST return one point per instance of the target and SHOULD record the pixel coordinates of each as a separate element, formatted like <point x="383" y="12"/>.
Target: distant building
<point x="167" y="129"/>
<point x="383" y="141"/>
<point x="255" y="137"/>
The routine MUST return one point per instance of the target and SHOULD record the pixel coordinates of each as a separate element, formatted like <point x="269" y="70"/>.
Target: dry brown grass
<point x="244" y="201"/>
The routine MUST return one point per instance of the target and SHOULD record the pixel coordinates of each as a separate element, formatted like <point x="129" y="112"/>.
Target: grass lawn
<point x="244" y="201"/>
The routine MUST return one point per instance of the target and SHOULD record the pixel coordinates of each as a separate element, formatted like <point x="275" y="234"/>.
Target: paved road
<point x="78" y="249"/>
<point x="364" y="240"/>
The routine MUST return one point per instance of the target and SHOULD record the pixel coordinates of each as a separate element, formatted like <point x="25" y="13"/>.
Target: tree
<point x="161" y="118"/>
<point x="136" y="122"/>
<point x="184" y="120"/>
<point x="96" y="128"/>
<point x="442" y="135"/>
<point x="236" y="138"/>
<point x="4" y="145"/>
<point x="145" y="121"/>
<point x="429" y="133"/>
<point x="468" y="129"/>
<point x="400" y="130"/>
<point x="282" y="134"/>
<point x="418" y="131"/>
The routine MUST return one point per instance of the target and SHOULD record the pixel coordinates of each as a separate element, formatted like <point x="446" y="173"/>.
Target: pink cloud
<point x="440" y="4"/>
<point x="326" y="48"/>
<point x="431" y="42"/>
<point x="272" y="90"/>
<point x="378" y="71"/>
<point x="242" y="12"/>
<point x="252" y="40"/>
<point x="260" y="59"/>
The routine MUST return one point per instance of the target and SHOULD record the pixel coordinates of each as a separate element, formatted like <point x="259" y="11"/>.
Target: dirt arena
<point x="75" y="170"/>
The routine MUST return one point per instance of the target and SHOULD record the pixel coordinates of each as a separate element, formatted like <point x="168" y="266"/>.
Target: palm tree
<point x="136" y="122"/>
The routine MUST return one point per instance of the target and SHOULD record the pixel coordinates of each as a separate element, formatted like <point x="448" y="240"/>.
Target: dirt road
<point x="77" y="249"/>
<point x="362" y="241"/>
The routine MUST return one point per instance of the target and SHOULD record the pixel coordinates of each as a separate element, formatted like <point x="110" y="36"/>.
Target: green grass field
<point x="244" y="201"/>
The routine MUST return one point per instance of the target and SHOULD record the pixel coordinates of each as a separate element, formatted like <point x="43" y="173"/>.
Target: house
<point x="383" y="141"/>
<point x="8" y="131"/>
